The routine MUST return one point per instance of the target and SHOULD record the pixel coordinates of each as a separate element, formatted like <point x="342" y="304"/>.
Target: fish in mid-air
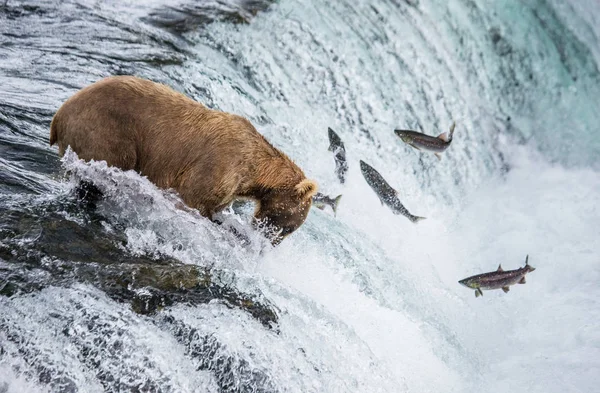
<point x="498" y="279"/>
<point x="387" y="195"/>
<point x="320" y="201"/>
<point x="339" y="154"/>
<point x="428" y="143"/>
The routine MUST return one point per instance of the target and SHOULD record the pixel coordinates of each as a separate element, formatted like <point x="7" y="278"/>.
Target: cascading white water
<point x="367" y="301"/>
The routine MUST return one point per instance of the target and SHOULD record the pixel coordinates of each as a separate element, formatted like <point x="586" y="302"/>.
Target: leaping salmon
<point x="320" y="200"/>
<point x="339" y="154"/>
<point x="498" y="279"/>
<point x="427" y="143"/>
<point x="387" y="195"/>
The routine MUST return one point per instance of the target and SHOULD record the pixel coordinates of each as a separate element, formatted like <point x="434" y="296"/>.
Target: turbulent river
<point x="139" y="296"/>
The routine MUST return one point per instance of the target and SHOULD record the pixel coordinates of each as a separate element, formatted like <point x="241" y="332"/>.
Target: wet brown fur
<point x="210" y="157"/>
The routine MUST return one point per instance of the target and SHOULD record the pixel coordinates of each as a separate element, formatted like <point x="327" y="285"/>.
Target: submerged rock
<point x="40" y="247"/>
<point x="188" y="17"/>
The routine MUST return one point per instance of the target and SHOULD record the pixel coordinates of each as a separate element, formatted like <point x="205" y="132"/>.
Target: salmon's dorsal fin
<point x="500" y="268"/>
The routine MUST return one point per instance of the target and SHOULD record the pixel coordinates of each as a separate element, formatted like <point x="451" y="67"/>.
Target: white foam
<point x="432" y="332"/>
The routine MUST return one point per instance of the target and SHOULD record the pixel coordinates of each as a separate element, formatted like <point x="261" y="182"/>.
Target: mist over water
<point x="139" y="295"/>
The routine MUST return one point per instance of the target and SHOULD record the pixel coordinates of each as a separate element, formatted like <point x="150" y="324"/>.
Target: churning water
<point x="139" y="296"/>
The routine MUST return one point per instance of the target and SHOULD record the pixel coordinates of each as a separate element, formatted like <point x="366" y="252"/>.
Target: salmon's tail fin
<point x="416" y="219"/>
<point x="451" y="132"/>
<point x="336" y="202"/>
<point x="527" y="265"/>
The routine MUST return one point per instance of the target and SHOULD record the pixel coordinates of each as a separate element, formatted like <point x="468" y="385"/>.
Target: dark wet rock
<point x="41" y="247"/>
<point x="233" y="374"/>
<point x="188" y="17"/>
<point x="20" y="10"/>
<point x="88" y="195"/>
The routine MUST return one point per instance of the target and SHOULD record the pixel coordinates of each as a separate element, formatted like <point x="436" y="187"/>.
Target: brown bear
<point x="209" y="157"/>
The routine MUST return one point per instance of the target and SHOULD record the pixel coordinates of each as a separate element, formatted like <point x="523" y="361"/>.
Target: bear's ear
<point x="306" y="189"/>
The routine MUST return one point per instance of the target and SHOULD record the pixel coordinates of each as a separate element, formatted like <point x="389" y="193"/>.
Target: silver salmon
<point x="387" y="195"/>
<point x="500" y="279"/>
<point x="320" y="201"/>
<point x="339" y="155"/>
<point x="427" y="143"/>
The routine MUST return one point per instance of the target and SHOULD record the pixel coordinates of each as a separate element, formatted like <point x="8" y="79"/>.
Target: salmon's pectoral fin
<point x="478" y="292"/>
<point x="522" y="281"/>
<point x="438" y="155"/>
<point x="506" y="289"/>
<point x="414" y="147"/>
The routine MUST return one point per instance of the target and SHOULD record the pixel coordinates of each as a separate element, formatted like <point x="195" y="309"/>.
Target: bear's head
<point x="282" y="211"/>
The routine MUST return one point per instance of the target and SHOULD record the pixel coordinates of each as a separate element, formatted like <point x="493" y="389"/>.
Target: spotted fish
<point x="339" y="155"/>
<point x="387" y="195"/>
<point x="500" y="279"/>
<point x="321" y="200"/>
<point x="427" y="143"/>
